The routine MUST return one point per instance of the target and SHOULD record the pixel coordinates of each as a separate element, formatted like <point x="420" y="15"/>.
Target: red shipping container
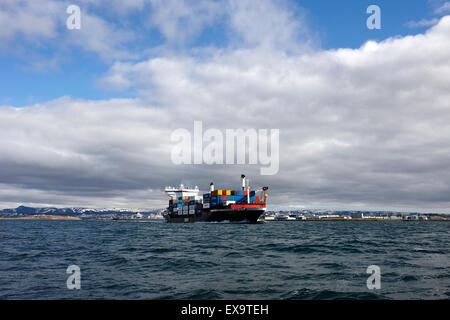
<point x="224" y="198"/>
<point x="256" y="198"/>
<point x="245" y="192"/>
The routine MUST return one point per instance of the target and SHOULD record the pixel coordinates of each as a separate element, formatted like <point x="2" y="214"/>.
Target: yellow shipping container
<point x="219" y="192"/>
<point x="228" y="192"/>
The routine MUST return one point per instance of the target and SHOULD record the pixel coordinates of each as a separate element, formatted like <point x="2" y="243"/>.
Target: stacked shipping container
<point x="194" y="205"/>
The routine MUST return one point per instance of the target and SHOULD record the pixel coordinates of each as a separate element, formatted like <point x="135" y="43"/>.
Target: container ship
<point x="245" y="205"/>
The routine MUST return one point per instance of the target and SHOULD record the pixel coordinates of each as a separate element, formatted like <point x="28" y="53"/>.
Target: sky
<point x="86" y="115"/>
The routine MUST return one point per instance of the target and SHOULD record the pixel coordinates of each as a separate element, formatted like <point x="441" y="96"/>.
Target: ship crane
<point x="263" y="193"/>
<point x="246" y="185"/>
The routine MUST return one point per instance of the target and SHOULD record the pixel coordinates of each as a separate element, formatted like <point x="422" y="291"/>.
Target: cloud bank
<point x="358" y="127"/>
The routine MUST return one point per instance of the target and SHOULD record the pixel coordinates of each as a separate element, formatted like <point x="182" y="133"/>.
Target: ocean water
<point x="275" y="260"/>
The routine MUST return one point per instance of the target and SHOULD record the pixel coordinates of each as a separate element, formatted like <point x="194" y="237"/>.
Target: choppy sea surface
<point x="275" y="260"/>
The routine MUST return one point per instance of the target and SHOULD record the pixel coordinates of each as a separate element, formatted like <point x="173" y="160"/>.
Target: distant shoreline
<point x="55" y="217"/>
<point x="71" y="218"/>
<point x="356" y="219"/>
<point x="41" y="217"/>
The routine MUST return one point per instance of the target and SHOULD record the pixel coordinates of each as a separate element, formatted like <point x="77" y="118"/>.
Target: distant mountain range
<point x="76" y="212"/>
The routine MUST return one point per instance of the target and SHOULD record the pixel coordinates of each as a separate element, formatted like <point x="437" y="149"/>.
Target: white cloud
<point x="263" y="24"/>
<point x="269" y="25"/>
<point x="12" y="196"/>
<point x="180" y="21"/>
<point x="422" y="23"/>
<point x="440" y="8"/>
<point x="108" y="27"/>
<point x="116" y="6"/>
<point x="443" y="8"/>
<point x="39" y="24"/>
<point x="98" y="36"/>
<point x="30" y="19"/>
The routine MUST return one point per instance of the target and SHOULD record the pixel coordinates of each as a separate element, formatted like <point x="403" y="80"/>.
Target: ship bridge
<point x="181" y="191"/>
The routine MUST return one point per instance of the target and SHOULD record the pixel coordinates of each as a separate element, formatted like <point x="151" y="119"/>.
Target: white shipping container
<point x="206" y="205"/>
